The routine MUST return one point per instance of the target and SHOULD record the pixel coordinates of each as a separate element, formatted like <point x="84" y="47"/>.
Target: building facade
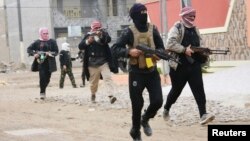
<point x="70" y="20"/>
<point x="66" y="19"/>
<point x="223" y="24"/>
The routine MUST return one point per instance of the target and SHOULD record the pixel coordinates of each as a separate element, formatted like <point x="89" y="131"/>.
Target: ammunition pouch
<point x="145" y="38"/>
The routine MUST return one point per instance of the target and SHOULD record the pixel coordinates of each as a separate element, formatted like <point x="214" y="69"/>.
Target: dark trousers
<point x="137" y="83"/>
<point x="187" y="73"/>
<point x="83" y="75"/>
<point x="44" y="76"/>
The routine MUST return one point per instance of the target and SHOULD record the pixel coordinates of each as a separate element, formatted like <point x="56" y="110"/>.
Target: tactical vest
<point x="143" y="38"/>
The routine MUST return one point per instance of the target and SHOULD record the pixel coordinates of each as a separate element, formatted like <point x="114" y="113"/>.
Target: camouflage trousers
<point x="71" y="77"/>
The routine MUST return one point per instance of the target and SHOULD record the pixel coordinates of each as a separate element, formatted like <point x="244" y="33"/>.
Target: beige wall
<point x="32" y="19"/>
<point x="248" y="22"/>
<point x="4" y="53"/>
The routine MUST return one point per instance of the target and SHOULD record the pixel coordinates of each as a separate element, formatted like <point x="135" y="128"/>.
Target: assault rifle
<point x="93" y="33"/>
<point x="42" y="55"/>
<point x="162" y="54"/>
<point x="207" y="51"/>
<point x="51" y="54"/>
<point x="203" y="53"/>
<point x="80" y="56"/>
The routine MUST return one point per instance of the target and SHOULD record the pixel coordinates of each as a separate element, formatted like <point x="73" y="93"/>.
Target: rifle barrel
<point x="218" y="51"/>
<point x="210" y="51"/>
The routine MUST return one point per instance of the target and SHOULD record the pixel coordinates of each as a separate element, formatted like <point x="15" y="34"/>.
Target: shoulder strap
<point x="178" y="26"/>
<point x="181" y="29"/>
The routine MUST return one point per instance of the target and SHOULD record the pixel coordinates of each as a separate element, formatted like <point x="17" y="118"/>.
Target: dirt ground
<point x="68" y="114"/>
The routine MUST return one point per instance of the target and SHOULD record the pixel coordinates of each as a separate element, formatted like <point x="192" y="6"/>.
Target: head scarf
<point x="65" y="46"/>
<point x="44" y="34"/>
<point x="95" y="25"/>
<point x="138" y="15"/>
<point x="188" y="16"/>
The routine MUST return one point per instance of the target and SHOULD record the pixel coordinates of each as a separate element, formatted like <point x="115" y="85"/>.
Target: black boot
<point x="146" y="127"/>
<point x="135" y="134"/>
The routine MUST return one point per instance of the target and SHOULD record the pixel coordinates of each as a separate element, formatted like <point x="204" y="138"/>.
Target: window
<point x="72" y="12"/>
<point x="112" y="7"/>
<point x="61" y="32"/>
<point x="115" y="5"/>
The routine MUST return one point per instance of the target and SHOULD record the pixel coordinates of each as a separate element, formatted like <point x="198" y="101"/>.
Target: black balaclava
<point x="139" y="17"/>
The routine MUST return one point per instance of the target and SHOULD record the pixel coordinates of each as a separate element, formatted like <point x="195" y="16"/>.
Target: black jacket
<point x="104" y="40"/>
<point x="119" y="49"/>
<point x="49" y="45"/>
<point x="65" y="59"/>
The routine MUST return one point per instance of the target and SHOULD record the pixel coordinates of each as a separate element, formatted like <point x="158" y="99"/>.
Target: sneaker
<point x="93" y="98"/>
<point x="82" y="85"/>
<point x="42" y="96"/>
<point x="74" y="86"/>
<point x="165" y="115"/>
<point x="135" y="134"/>
<point x="206" y="118"/>
<point x="146" y="127"/>
<point x="112" y="99"/>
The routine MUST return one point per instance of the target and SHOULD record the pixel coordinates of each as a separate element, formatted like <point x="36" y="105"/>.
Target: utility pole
<point x="164" y="28"/>
<point x="20" y="31"/>
<point x="163" y="18"/>
<point x="5" y="50"/>
<point x="185" y="3"/>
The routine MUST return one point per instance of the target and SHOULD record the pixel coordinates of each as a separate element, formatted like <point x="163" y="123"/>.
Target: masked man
<point x="44" y="51"/>
<point x="181" y="37"/>
<point x="142" y="68"/>
<point x="98" y="60"/>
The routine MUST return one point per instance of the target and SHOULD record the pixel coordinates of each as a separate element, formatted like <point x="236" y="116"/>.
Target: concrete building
<point x="69" y="20"/>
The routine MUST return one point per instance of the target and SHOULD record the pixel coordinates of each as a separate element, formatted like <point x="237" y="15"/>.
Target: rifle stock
<point x="162" y="54"/>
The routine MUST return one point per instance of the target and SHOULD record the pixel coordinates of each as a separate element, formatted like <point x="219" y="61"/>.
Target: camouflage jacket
<point x="175" y="37"/>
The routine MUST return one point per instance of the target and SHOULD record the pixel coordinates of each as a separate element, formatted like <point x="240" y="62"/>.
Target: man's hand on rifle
<point x="90" y="40"/>
<point x="98" y="33"/>
<point x="134" y="52"/>
<point x="189" y="51"/>
<point x="48" y="54"/>
<point x="64" y="68"/>
<point x="36" y="55"/>
<point x="155" y="57"/>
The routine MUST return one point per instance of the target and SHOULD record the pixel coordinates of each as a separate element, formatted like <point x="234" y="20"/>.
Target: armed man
<point x="142" y="68"/>
<point x="44" y="62"/>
